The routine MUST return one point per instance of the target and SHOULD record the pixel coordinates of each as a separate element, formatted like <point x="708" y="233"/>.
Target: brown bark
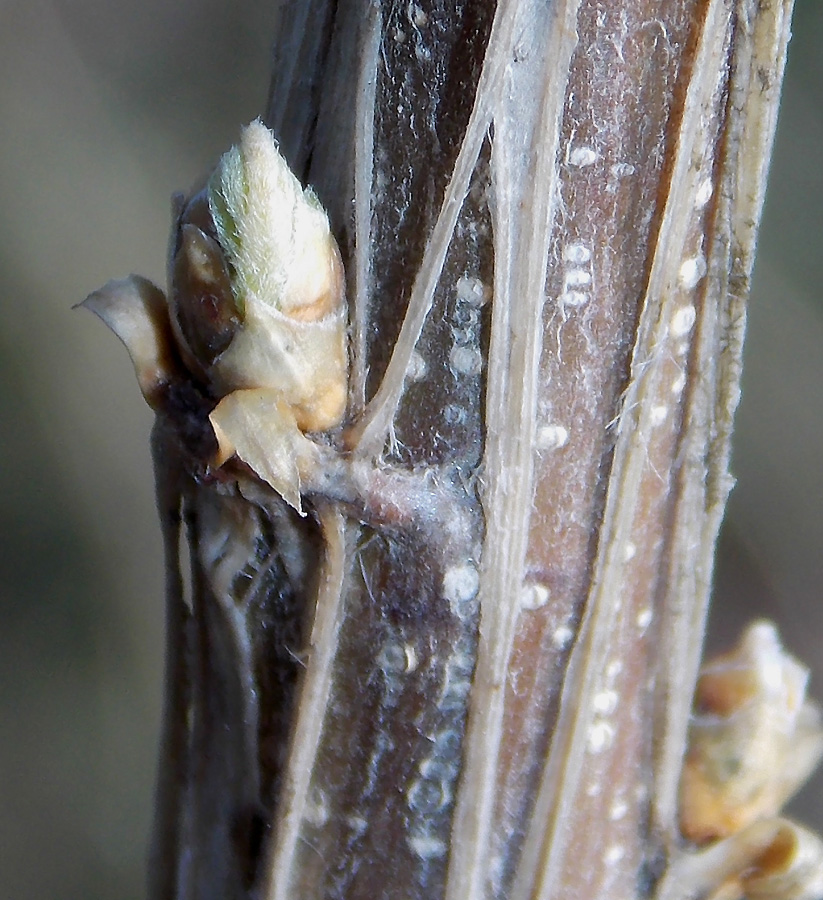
<point x="468" y="674"/>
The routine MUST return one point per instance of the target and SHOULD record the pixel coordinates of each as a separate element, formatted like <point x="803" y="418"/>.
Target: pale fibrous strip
<point x="369" y="434"/>
<point x="525" y="186"/>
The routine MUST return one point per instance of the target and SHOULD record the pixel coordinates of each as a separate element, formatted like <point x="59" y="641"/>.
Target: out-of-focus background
<point x="105" y="109"/>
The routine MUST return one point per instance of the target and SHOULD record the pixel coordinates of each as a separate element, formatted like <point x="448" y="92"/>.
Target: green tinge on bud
<point x="256" y="315"/>
<point x="274" y="233"/>
<point x="287" y="280"/>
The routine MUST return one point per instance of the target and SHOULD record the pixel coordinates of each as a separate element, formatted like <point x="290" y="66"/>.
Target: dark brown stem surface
<point x="474" y="682"/>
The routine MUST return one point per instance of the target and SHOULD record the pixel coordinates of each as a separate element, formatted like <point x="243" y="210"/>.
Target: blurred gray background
<point x="105" y="109"/>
